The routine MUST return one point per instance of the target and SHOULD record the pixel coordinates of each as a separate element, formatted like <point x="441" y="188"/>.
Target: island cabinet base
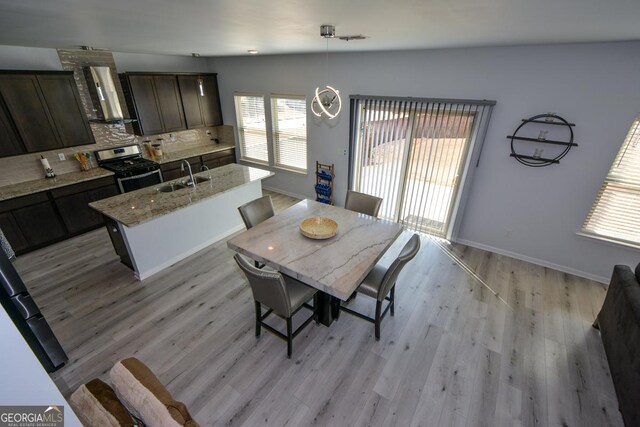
<point x="159" y="243"/>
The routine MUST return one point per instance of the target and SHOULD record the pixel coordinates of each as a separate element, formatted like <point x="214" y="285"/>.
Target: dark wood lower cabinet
<point x="30" y="222"/>
<point x="172" y="170"/>
<point x="39" y="224"/>
<point x="74" y="208"/>
<point x="12" y="232"/>
<point x="37" y="220"/>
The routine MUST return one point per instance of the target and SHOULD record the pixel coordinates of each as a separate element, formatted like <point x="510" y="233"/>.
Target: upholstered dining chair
<point x="363" y="203"/>
<point x="255" y="212"/>
<point x="380" y="283"/>
<point x="282" y="295"/>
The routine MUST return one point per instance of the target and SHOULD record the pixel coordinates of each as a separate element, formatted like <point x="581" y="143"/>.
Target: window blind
<point x="413" y="153"/>
<point x="615" y="214"/>
<point x="252" y="128"/>
<point x="289" y="132"/>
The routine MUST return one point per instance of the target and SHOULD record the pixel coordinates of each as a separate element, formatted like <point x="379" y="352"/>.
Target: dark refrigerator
<point x="26" y="315"/>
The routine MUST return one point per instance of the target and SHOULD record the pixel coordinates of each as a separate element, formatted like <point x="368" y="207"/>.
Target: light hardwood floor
<point x="478" y="339"/>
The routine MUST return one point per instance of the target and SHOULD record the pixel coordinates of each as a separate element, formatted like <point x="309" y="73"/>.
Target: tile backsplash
<point x="27" y="167"/>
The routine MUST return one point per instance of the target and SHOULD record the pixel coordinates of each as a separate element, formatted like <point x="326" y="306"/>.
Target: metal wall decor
<point x="536" y="160"/>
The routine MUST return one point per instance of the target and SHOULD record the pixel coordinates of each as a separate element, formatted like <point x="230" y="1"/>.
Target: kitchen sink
<point x="169" y="188"/>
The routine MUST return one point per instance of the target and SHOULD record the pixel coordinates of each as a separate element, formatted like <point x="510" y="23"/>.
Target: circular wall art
<point x="524" y="135"/>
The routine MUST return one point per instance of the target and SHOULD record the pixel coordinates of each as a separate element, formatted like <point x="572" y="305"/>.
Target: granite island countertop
<point x="148" y="203"/>
<point x="31" y="187"/>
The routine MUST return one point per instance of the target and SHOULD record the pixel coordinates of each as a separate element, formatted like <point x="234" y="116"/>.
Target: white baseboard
<point x="145" y="274"/>
<point x="532" y="260"/>
<point x="286" y="193"/>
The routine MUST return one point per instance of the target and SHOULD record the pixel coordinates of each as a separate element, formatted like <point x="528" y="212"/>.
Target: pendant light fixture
<point x="200" y="86"/>
<point x="326" y="101"/>
<point x="199" y="81"/>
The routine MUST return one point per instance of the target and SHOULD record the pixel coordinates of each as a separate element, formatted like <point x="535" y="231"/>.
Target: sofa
<point x="619" y="324"/>
<point x="139" y="399"/>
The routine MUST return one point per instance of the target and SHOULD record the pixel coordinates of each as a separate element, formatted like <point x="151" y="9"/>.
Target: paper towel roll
<point x="47" y="167"/>
<point x="45" y="163"/>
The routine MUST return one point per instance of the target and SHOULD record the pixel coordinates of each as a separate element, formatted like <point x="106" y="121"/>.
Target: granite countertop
<point x="192" y="152"/>
<point x="148" y="203"/>
<point x="44" y="184"/>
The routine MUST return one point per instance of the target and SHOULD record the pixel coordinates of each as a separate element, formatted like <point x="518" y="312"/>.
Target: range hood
<point x="104" y="95"/>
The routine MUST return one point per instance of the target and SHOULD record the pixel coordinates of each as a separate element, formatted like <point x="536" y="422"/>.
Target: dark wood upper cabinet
<point x="10" y="143"/>
<point x="165" y="102"/>
<point x="200" y="108"/>
<point x="40" y="111"/>
<point x="26" y="105"/>
<point x="63" y="100"/>
<point x="142" y="101"/>
<point x="210" y="102"/>
<point x="169" y="102"/>
<point x="190" y="101"/>
<point x="155" y="101"/>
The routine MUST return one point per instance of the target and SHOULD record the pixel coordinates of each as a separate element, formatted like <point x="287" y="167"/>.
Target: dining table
<point x="334" y="266"/>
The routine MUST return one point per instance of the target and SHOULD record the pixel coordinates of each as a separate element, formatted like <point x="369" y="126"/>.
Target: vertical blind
<point x="290" y="132"/>
<point x="252" y="127"/>
<point x="412" y="153"/>
<point x="615" y="214"/>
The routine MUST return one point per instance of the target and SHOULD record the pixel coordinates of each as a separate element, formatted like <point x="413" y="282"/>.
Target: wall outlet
<point x="61" y="156"/>
<point x="344" y="152"/>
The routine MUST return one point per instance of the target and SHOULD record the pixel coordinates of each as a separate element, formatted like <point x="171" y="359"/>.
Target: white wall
<point x="28" y="58"/>
<point x="35" y="58"/>
<point x="24" y="380"/>
<point x="165" y="63"/>
<point x="532" y="213"/>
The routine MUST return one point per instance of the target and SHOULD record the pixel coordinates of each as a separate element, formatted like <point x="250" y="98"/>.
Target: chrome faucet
<point x="206" y="168"/>
<point x="190" y="182"/>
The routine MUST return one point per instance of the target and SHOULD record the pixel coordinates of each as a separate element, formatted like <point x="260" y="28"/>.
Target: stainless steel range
<point x="132" y="170"/>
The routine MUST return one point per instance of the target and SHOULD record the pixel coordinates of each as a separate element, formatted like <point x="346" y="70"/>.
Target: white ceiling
<point x="231" y="27"/>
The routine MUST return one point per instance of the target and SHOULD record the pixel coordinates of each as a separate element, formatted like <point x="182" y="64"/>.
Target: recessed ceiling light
<point x="252" y="51"/>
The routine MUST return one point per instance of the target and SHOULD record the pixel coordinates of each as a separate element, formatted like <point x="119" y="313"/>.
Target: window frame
<point x="273" y="97"/>
<point x="615" y="179"/>
<point x="240" y="129"/>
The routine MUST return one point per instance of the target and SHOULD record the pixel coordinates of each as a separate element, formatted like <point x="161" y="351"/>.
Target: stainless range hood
<point x="104" y="94"/>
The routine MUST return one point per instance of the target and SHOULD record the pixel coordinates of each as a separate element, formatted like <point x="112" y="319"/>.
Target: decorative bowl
<point x="319" y="228"/>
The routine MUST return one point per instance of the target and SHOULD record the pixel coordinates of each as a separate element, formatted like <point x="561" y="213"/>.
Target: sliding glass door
<point x="413" y="154"/>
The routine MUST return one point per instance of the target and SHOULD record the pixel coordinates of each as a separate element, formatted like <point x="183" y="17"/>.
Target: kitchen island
<point x="151" y="229"/>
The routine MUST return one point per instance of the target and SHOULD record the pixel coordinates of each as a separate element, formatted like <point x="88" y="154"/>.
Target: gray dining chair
<point x="380" y="284"/>
<point x="255" y="212"/>
<point x="282" y="295"/>
<point x="363" y="203"/>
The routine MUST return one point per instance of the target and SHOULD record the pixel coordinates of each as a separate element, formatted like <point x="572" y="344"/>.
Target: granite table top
<point x="148" y="203"/>
<point x="337" y="265"/>
<point x="44" y="184"/>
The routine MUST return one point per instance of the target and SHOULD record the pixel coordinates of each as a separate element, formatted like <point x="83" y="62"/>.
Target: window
<point x="615" y="214"/>
<point x="252" y="128"/>
<point x="289" y="132"/>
